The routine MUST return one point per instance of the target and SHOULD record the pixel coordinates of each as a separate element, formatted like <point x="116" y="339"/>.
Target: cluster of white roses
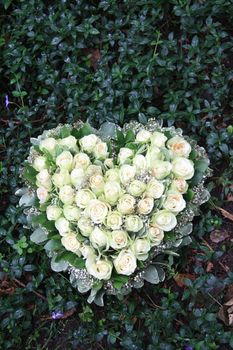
<point x="112" y="209"/>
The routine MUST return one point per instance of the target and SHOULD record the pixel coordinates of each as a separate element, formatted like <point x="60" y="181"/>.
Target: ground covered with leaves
<point x="112" y="60"/>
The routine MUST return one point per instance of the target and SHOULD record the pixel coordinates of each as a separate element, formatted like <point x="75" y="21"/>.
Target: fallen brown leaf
<point x="65" y="315"/>
<point x="180" y="277"/>
<point x="218" y="236"/>
<point x="226" y="313"/>
<point x="7" y="287"/>
<point x="225" y="213"/>
<point x="209" y="266"/>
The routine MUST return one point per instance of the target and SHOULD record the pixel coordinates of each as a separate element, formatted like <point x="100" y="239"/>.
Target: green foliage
<point x="113" y="61"/>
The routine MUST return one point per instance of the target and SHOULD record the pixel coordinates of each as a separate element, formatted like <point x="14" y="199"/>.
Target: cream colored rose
<point x="112" y="192"/>
<point x="101" y="150"/>
<point x="183" y="168"/>
<point x="71" y="243"/>
<point x="179" y="185"/>
<point x="71" y="212"/>
<point x="65" y="160"/>
<point x="127" y="173"/>
<point x="114" y="220"/>
<point x="66" y="194"/>
<point x="100" y="269"/>
<point x="155" y="235"/>
<point x="145" y="206"/>
<point x="161" y="169"/>
<point x="93" y="169"/>
<point x="85" y="226"/>
<point x="143" y="136"/>
<point x="53" y="212"/>
<point x="118" y="239"/>
<point x="174" y="202"/>
<point x="154" y="189"/>
<point x="124" y="155"/>
<point x="153" y="154"/>
<point x="136" y="188"/>
<point x="62" y="178"/>
<point x="112" y="175"/>
<point x="69" y="143"/>
<point x="97" y="184"/>
<point x="87" y="251"/>
<point x="42" y="194"/>
<point x="81" y="160"/>
<point x="87" y="143"/>
<point x="125" y="263"/>
<point x="126" y="204"/>
<point x="139" y="161"/>
<point x="141" y="248"/>
<point x="96" y="211"/>
<point x="158" y="139"/>
<point x="83" y="197"/>
<point x="43" y="179"/>
<point x="49" y="145"/>
<point x="109" y="163"/>
<point x="77" y="177"/>
<point x="164" y="219"/>
<point x="133" y="223"/>
<point x="62" y="225"/>
<point x="40" y="163"/>
<point x="99" y="238"/>
<point x="179" y="146"/>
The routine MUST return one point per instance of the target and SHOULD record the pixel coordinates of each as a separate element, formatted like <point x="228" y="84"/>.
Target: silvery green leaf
<point x="177" y="243"/>
<point x="58" y="266"/>
<point x="38" y="236"/>
<point x="92" y="295"/>
<point x="99" y="298"/>
<point x="83" y="287"/>
<point x="186" y="241"/>
<point x="204" y="197"/>
<point x="151" y="275"/>
<point x="21" y="191"/>
<point x="27" y="200"/>
<point x="186" y="230"/>
<point x="161" y="273"/>
<point x="108" y="129"/>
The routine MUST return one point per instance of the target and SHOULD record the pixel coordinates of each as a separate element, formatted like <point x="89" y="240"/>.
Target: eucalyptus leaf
<point x="151" y="274"/>
<point x="38" y="236"/>
<point x="59" y="266"/>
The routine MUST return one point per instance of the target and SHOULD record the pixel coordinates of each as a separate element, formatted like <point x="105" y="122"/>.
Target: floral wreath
<point x="109" y="205"/>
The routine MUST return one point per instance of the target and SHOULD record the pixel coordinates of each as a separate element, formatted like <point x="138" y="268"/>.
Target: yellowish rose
<point x="164" y="219"/>
<point x="118" y="239"/>
<point x="96" y="211"/>
<point x="127" y="173"/>
<point x="71" y="243"/>
<point x="183" y="168"/>
<point x="154" y="189"/>
<point x="133" y="223"/>
<point x="126" y="204"/>
<point x="83" y="197"/>
<point x="145" y="206"/>
<point x="143" y="136"/>
<point x="179" y="146"/>
<point x="174" y="202"/>
<point x="125" y="263"/>
<point x="65" y="160"/>
<point x="81" y="160"/>
<point x="66" y="194"/>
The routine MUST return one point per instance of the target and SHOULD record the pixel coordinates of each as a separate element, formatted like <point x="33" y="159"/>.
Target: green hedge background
<point x="110" y="60"/>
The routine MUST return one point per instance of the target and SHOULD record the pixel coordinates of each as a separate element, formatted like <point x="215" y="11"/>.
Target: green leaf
<point x="151" y="275"/>
<point x="53" y="245"/>
<point x="130" y="137"/>
<point x="118" y="281"/>
<point x="71" y="258"/>
<point x="65" y="132"/>
<point x="38" y="236"/>
<point x="85" y="130"/>
<point x="189" y="195"/>
<point x="202" y="165"/>
<point x="30" y="173"/>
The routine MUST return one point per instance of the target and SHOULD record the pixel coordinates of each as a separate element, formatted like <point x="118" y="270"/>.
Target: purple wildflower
<point x="56" y="315"/>
<point x="188" y="347"/>
<point x="6" y="101"/>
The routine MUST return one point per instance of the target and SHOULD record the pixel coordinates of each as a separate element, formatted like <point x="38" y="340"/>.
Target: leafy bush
<point x="113" y="60"/>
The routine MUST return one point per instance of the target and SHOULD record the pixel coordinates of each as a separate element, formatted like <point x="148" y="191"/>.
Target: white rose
<point x="109" y="163"/>
<point x="88" y="142"/>
<point x="42" y="194"/>
<point x="83" y="197"/>
<point x="81" y="160"/>
<point x="179" y="185"/>
<point x="155" y="234"/>
<point x="99" y="238"/>
<point x="62" y="178"/>
<point x="125" y="263"/>
<point x="174" y="202"/>
<point x="112" y="192"/>
<point x="65" y="160"/>
<point x="66" y="194"/>
<point x="43" y="179"/>
<point x="112" y="175"/>
<point x="77" y="177"/>
<point x="70" y="143"/>
<point x="154" y="189"/>
<point x="97" y="184"/>
<point x="85" y="226"/>
<point x="127" y="173"/>
<point x="101" y="150"/>
<point x="87" y="251"/>
<point x="136" y="188"/>
<point x="124" y="155"/>
<point x="53" y="212"/>
<point x="126" y="204"/>
<point x="143" y="136"/>
<point x="164" y="219"/>
<point x="141" y="248"/>
<point x="49" y="145"/>
<point x="118" y="239"/>
<point x="62" y="225"/>
<point x="158" y="139"/>
<point x="133" y="223"/>
<point x="71" y="213"/>
<point x="139" y="161"/>
<point x="145" y="206"/>
<point x="71" y="243"/>
<point x="100" y="269"/>
<point x="153" y="154"/>
<point x="183" y="168"/>
<point x="179" y="146"/>
<point x="114" y="220"/>
<point x="161" y="169"/>
<point x="96" y="211"/>
<point x="40" y="163"/>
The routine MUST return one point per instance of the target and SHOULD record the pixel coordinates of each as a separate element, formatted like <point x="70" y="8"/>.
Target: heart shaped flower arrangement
<point x="110" y="205"/>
